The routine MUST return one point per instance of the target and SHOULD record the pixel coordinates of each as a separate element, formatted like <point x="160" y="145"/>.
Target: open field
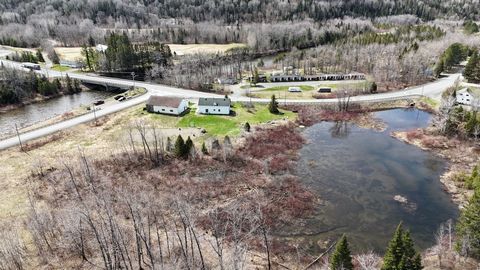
<point x="69" y="53"/>
<point x="216" y="125"/>
<point x="308" y="90"/>
<point x="60" y="68"/>
<point x="184" y="49"/>
<point x="74" y="53"/>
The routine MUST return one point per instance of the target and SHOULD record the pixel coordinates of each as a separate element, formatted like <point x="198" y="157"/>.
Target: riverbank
<point x="72" y="113"/>
<point x="462" y="156"/>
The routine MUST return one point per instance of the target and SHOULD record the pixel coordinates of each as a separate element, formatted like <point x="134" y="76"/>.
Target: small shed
<point x="219" y="106"/>
<point x="167" y="105"/>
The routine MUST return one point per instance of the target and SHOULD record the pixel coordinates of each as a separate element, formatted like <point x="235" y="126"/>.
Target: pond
<point x="358" y="172"/>
<point x="41" y="111"/>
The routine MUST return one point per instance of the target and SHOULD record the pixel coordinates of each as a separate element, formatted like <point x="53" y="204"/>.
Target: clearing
<point x="184" y="49"/>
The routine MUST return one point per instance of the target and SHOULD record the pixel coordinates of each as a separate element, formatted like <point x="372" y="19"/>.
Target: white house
<point x="467" y="97"/>
<point x="167" y="105"/>
<point x="101" y="48"/>
<point x="214" y="106"/>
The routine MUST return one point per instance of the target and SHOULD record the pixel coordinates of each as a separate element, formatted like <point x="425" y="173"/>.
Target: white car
<point x="294" y="89"/>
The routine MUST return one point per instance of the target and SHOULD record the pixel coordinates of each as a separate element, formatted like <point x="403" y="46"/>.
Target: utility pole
<point x="94" y="113"/>
<point x="18" y="135"/>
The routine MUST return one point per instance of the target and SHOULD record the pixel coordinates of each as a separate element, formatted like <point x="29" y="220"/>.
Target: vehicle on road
<point x="31" y="66"/>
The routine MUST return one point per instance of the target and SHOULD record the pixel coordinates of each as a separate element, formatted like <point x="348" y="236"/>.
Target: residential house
<point x="467" y="96"/>
<point x="167" y="105"/>
<point x="214" y="106"/>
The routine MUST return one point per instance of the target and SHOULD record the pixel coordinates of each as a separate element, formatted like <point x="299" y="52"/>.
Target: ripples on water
<point x="359" y="171"/>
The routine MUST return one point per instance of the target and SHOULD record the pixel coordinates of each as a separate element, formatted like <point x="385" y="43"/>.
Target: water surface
<point x="41" y="111"/>
<point x="359" y="171"/>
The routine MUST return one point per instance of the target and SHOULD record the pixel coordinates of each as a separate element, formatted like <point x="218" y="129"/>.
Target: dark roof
<point x="214" y="102"/>
<point x="172" y="102"/>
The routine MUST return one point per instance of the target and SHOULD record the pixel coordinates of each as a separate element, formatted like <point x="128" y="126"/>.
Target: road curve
<point x="433" y="89"/>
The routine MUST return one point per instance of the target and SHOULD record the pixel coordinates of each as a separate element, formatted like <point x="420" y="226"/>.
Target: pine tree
<point x="373" y="87"/>
<point x="247" y="127"/>
<point x="472" y="69"/>
<point x="39" y="56"/>
<point x="179" y="150"/>
<point x="204" y="149"/>
<point x="273" y="106"/>
<point x="468" y="228"/>
<point x="439" y="67"/>
<point x="188" y="146"/>
<point x="401" y="254"/>
<point x="341" y="258"/>
<point x="70" y="89"/>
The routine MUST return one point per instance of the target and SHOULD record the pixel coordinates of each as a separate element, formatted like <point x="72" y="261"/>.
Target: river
<point x="41" y="111"/>
<point x="357" y="172"/>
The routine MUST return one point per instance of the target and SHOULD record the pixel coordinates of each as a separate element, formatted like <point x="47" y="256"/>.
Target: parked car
<point x="99" y="102"/>
<point x="294" y="89"/>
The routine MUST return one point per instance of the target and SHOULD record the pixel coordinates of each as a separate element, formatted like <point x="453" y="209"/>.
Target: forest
<point x="27" y="23"/>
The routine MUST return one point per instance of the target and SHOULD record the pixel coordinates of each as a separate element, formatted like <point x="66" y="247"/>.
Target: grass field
<point x="60" y="68"/>
<point x="184" y="49"/>
<point x="69" y="53"/>
<point x="215" y="125"/>
<point x="307" y="90"/>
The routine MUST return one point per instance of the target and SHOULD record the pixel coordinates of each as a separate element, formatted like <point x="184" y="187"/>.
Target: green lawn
<point x="60" y="68"/>
<point x="285" y="88"/>
<point x="231" y="125"/>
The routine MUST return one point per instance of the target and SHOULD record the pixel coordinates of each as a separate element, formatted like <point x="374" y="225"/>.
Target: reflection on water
<point x="359" y="171"/>
<point x="38" y="112"/>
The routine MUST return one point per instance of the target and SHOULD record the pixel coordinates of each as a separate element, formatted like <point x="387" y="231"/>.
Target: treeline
<point x="138" y="13"/>
<point x="122" y="57"/>
<point x="17" y="86"/>
<point x="408" y="33"/>
<point x="452" y="56"/>
<point x="26" y="56"/>
<point x="28" y="23"/>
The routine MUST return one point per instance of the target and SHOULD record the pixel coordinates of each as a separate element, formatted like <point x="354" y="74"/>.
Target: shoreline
<point x="460" y="157"/>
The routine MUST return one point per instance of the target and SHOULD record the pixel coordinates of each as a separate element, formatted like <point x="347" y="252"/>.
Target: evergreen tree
<point x="69" y="87"/>
<point x="204" y="149"/>
<point x="273" y="106"/>
<point x="39" y="56"/>
<point x="439" y="67"/>
<point x="468" y="227"/>
<point x="341" y="258"/>
<point x="179" y="150"/>
<point x="255" y="77"/>
<point x="373" y="87"/>
<point x="472" y="69"/>
<point x="54" y="57"/>
<point x="91" y="41"/>
<point x="247" y="127"/>
<point x="401" y="254"/>
<point x="188" y="146"/>
<point x="76" y="86"/>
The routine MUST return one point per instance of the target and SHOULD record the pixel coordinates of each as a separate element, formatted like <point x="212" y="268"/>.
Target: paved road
<point x="433" y="89"/>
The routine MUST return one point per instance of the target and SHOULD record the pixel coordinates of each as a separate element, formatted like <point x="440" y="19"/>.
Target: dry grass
<point x="184" y="49"/>
<point x="69" y="53"/>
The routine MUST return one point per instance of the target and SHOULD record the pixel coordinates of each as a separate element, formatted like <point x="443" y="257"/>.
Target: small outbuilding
<point x="167" y="105"/>
<point x="214" y="106"/>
